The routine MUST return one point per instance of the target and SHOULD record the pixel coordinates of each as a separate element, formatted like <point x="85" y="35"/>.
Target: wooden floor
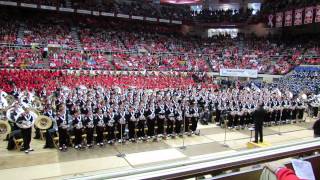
<point x="52" y="164"/>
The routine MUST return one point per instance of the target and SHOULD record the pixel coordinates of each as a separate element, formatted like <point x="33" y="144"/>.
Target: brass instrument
<point x="5" y="129"/>
<point x="10" y="99"/>
<point x="25" y="125"/>
<point x="43" y="122"/>
<point x="37" y="104"/>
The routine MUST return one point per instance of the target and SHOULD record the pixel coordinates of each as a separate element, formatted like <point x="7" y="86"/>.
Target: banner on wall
<point x="270" y="20"/>
<point x="288" y="18"/>
<point x="308" y="16"/>
<point x="317" y="19"/>
<point x="252" y="73"/>
<point x="279" y="18"/>
<point x="298" y="17"/>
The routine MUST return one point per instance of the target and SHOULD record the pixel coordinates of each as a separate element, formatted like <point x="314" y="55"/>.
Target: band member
<point x="170" y="119"/>
<point x="77" y="124"/>
<point x="133" y="118"/>
<point x="63" y="126"/>
<point x="161" y="116"/>
<point x="141" y="123"/>
<point x="195" y="117"/>
<point x="110" y="125"/>
<point x="122" y="123"/>
<point x="89" y="128"/>
<point x="100" y="124"/>
<point x="151" y="115"/>
<point x="51" y="132"/>
<point x="179" y="120"/>
<point x="188" y="116"/>
<point x="259" y="116"/>
<point x="26" y="120"/>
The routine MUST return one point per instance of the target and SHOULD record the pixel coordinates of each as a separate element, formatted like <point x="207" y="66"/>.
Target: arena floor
<point x="52" y="164"/>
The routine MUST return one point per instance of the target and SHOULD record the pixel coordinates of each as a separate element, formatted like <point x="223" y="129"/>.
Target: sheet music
<point x="303" y="169"/>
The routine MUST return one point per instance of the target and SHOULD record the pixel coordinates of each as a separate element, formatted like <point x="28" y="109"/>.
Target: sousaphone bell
<point x="5" y="129"/>
<point x="43" y="122"/>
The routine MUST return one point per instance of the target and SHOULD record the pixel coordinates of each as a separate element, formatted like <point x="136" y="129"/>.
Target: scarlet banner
<point x="298" y="17"/>
<point x="308" y="16"/>
<point x="288" y="18"/>
<point x="317" y="19"/>
<point x="279" y="19"/>
<point x="181" y="1"/>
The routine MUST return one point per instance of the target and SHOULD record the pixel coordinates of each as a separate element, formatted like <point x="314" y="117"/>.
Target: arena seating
<point x="87" y="43"/>
<point x="37" y="79"/>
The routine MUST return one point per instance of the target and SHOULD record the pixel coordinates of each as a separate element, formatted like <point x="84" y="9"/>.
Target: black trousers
<point x="150" y="125"/>
<point x="63" y="137"/>
<point x="14" y="134"/>
<point x="315" y="111"/>
<point x="140" y="128"/>
<point x="194" y="123"/>
<point x="49" y="140"/>
<point x="169" y="129"/>
<point x="78" y="136"/>
<point x="37" y="133"/>
<point x="111" y="135"/>
<point x="89" y="132"/>
<point x="187" y="124"/>
<point x="132" y="128"/>
<point x="160" y="125"/>
<point x="26" y="135"/>
<point x="177" y="128"/>
<point x="99" y="131"/>
<point x="258" y="132"/>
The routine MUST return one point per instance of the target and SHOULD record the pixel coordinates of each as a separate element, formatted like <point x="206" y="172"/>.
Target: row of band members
<point x="116" y="121"/>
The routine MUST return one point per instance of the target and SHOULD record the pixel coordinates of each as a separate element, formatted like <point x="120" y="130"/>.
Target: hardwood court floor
<point x="52" y="164"/>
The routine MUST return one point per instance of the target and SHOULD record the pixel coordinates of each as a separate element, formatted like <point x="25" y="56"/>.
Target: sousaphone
<point x="43" y="122"/>
<point x="5" y="129"/>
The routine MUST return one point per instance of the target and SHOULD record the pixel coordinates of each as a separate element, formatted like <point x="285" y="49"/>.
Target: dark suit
<point x="259" y="116"/>
<point x="316" y="128"/>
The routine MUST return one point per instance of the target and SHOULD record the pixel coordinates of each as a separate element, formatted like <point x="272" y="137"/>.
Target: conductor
<point x="259" y="116"/>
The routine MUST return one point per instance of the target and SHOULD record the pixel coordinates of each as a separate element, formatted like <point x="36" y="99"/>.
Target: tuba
<point x="36" y="104"/>
<point x="43" y="122"/>
<point x="24" y="125"/>
<point x="5" y="129"/>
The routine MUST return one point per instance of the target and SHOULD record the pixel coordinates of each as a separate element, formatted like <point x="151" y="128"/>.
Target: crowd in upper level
<point x="40" y="41"/>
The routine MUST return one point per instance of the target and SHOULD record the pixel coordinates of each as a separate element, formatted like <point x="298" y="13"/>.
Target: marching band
<point x="101" y="116"/>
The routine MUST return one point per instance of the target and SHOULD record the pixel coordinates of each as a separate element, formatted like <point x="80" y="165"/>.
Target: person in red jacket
<point x="282" y="172"/>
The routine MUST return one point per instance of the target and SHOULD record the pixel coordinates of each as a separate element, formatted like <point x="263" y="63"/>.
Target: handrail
<point x="196" y="167"/>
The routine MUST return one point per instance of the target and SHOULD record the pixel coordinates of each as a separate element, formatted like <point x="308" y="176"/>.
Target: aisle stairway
<point x="75" y="36"/>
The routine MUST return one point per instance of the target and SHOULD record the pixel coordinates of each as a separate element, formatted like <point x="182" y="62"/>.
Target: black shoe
<point x="255" y="142"/>
<point x="36" y="137"/>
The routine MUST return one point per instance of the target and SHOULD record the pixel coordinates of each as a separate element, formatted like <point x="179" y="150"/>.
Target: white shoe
<point x="30" y="149"/>
<point x="60" y="148"/>
<point x="26" y="151"/>
<point x="76" y="147"/>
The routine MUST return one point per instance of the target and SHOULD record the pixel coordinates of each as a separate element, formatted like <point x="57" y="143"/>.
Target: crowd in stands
<point x="37" y="80"/>
<point x="301" y="79"/>
<point x="124" y="45"/>
<point x="151" y="9"/>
